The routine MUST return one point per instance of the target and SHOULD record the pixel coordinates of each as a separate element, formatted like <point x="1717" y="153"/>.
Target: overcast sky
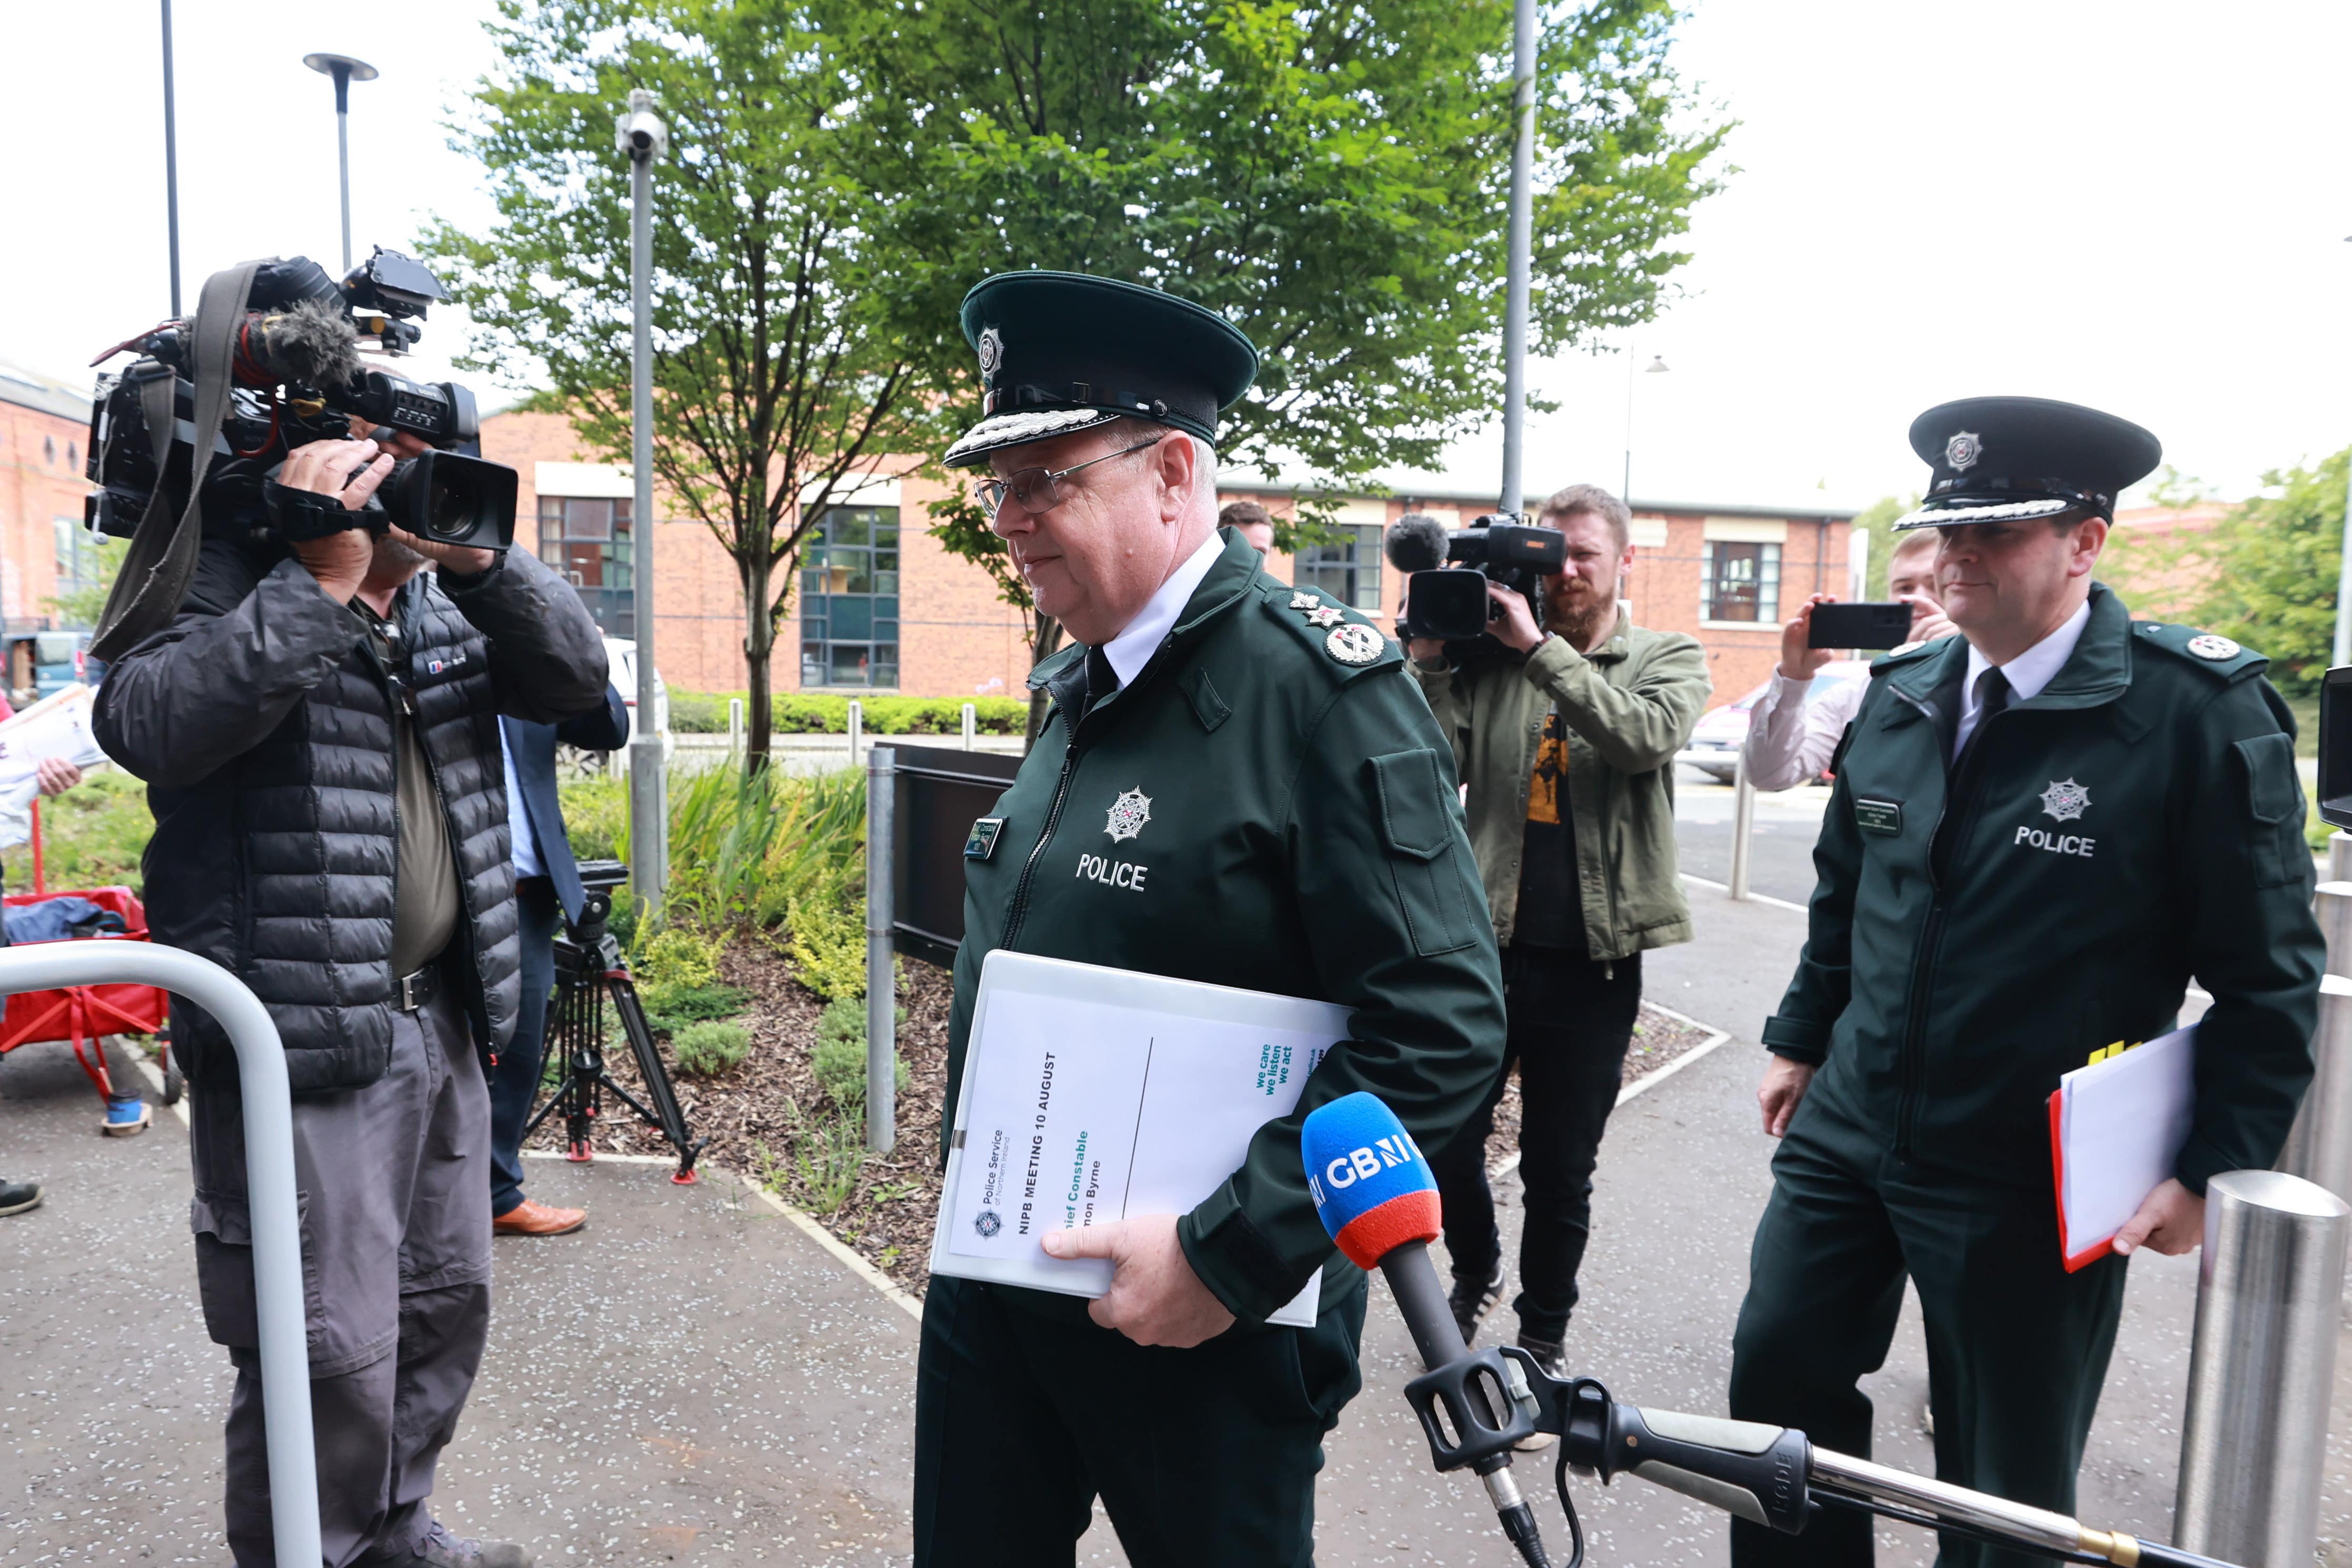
<point x="2140" y="204"/>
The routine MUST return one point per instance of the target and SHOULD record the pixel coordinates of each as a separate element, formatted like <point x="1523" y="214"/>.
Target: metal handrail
<point x="269" y="1190"/>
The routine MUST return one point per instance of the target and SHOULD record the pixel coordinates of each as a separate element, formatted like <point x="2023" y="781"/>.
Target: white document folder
<point x="1092" y="1095"/>
<point x="2115" y="1131"/>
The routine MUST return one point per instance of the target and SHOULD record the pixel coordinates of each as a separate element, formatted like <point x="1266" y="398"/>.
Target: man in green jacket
<point x="2041" y="831"/>
<point x="1238" y="784"/>
<point x="1565" y="734"/>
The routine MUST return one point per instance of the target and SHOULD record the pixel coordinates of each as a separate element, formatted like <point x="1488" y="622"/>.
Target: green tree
<point x="778" y="374"/>
<point x="77" y="604"/>
<point x="1874" y="532"/>
<point x="2274" y="566"/>
<point x="1332" y="179"/>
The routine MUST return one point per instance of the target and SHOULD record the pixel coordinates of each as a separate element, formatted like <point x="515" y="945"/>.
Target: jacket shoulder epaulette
<point x="2222" y="658"/>
<point x="1901" y="658"/>
<point x="1340" y="641"/>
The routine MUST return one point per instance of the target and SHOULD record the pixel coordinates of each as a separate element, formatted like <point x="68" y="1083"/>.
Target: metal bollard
<point x="735" y="726"/>
<point x="269" y="1182"/>
<point x="971" y="724"/>
<point x="881" y="974"/>
<point x="857" y="727"/>
<point x="2332" y="903"/>
<point x="2319" y="1146"/>
<point x="2261" y="1371"/>
<point x="1743" y="825"/>
<point x="2340" y="857"/>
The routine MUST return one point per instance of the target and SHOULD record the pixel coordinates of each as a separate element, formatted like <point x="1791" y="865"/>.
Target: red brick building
<point x="44" y="426"/>
<point x="881" y="607"/>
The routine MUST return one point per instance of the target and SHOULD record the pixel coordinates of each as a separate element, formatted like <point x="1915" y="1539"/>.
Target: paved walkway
<point x="695" y="1380"/>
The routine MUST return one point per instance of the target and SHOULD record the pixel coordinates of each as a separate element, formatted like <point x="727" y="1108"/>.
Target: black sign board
<point x="940" y="793"/>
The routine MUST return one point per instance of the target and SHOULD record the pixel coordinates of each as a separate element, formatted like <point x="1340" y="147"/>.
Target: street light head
<point x="1658" y="366"/>
<point x="342" y="67"/>
<point x="641" y="133"/>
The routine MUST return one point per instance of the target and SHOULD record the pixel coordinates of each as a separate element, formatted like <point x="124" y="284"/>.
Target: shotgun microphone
<point x="1376" y="1196"/>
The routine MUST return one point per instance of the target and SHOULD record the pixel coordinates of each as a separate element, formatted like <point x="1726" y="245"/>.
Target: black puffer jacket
<point x="261" y="721"/>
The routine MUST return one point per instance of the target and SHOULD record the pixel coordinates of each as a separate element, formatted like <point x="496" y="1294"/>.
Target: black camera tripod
<point x="589" y="971"/>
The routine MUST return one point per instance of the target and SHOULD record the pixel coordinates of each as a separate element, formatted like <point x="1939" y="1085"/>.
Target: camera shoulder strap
<point x="162" y="560"/>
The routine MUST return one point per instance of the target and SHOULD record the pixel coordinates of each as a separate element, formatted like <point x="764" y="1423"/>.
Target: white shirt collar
<point x="1132" y="648"/>
<point x="2027" y="673"/>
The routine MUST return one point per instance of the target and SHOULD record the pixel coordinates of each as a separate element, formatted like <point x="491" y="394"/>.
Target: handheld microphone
<point x="1377" y="1197"/>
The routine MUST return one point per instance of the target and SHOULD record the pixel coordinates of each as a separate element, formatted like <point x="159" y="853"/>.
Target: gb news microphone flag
<point x="1372" y="1189"/>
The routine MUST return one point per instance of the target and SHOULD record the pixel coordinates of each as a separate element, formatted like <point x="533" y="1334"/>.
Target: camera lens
<point x="448" y="515"/>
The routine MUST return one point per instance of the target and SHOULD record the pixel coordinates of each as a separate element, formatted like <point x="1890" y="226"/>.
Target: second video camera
<point x="1453" y="605"/>
<point x="297" y="376"/>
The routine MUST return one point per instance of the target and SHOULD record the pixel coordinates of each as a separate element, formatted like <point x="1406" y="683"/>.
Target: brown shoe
<point x="532" y="1217"/>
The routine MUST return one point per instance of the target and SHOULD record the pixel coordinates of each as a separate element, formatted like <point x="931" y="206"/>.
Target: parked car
<point x="1715" y="742"/>
<point x="42" y="664"/>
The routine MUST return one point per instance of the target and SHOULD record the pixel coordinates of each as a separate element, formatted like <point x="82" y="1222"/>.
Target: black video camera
<point x="1453" y="605"/>
<point x="297" y="377"/>
<point x="2335" y="803"/>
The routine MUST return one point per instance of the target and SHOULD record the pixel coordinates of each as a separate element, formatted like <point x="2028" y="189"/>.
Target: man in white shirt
<point x="1791" y="730"/>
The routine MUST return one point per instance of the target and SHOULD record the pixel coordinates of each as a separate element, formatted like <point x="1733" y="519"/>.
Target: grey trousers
<point x="394" y="1198"/>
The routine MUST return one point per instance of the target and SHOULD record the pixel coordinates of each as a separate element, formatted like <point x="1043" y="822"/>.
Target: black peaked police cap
<point x="2000" y="459"/>
<point x="1061" y="351"/>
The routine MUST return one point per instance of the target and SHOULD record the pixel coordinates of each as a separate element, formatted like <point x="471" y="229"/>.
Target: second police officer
<point x="2043" y="829"/>
<point x="1239" y="785"/>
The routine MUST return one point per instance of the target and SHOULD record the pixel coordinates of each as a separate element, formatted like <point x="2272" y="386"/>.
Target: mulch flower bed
<point x="767" y="1119"/>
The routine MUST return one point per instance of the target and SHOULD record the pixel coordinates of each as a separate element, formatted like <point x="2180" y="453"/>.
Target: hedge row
<point x="705" y="713"/>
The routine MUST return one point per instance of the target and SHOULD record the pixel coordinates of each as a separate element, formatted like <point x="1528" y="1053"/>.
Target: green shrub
<point x="710" y="1047"/>
<point x="839" y="1060"/>
<point x="596" y="815"/>
<point x="825" y="713"/>
<point x="827" y="944"/>
<point x="91" y="836"/>
<point x="677" y="956"/>
<point x="742" y="849"/>
<point x="671" y="1008"/>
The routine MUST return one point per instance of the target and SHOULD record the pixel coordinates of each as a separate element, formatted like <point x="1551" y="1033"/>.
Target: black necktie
<point x="1101" y="679"/>
<point x="1993" y="695"/>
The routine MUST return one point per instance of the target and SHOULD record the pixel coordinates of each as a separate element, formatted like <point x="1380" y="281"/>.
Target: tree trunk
<point x="1041" y="647"/>
<point x="759" y="647"/>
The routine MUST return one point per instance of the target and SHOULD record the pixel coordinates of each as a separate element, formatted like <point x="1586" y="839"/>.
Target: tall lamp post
<point x="170" y="162"/>
<point x="2342" y="651"/>
<point x="1657" y="368"/>
<point x="1522" y="251"/>
<point x="345" y="70"/>
<point x="644" y="136"/>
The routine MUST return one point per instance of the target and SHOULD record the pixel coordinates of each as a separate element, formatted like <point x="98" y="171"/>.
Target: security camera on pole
<point x="643" y="138"/>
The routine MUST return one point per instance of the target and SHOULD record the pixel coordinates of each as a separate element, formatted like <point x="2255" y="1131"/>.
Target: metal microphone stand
<point x="589" y="972"/>
<point x="1769" y="1475"/>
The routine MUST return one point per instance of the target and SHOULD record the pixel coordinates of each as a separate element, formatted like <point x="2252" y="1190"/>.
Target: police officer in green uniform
<point x="2043" y="829"/>
<point x="1238" y="784"/>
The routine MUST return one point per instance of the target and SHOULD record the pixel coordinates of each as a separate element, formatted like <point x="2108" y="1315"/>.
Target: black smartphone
<point x="1869" y="624"/>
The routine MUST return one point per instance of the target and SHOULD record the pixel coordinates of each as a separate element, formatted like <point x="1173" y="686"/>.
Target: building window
<point x="1349" y="571"/>
<point x="48" y="449"/>
<point x="1740" y="581"/>
<point x="849" y="598"/>
<point x="78" y="554"/>
<point x="586" y="541"/>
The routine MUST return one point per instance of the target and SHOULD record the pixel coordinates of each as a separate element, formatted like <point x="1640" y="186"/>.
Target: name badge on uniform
<point x="983" y="843"/>
<point x="1879" y="816"/>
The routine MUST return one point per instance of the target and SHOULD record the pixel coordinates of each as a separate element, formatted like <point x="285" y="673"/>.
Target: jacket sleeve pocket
<point x="2274" y="810"/>
<point x="1424" y="853"/>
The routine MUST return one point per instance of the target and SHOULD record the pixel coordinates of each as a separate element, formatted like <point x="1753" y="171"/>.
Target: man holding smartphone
<point x="1792" y="731"/>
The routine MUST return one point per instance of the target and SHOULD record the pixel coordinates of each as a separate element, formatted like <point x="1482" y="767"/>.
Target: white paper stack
<point x="1093" y="1094"/>
<point x="2116" y="1127"/>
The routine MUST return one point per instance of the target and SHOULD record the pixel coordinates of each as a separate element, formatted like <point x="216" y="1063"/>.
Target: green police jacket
<point x="1304" y="837"/>
<point x="2137" y="824"/>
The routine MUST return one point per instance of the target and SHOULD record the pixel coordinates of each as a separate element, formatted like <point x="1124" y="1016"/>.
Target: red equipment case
<point x="79" y="1013"/>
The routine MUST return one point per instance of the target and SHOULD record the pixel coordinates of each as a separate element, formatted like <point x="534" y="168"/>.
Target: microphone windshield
<point x="1416" y="542"/>
<point x="1372" y="1189"/>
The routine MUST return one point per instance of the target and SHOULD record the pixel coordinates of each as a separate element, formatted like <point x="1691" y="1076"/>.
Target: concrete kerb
<point x="1716" y="1037"/>
<point x="814" y="1228"/>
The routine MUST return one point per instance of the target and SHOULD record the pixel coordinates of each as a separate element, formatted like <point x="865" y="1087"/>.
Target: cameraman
<point x="318" y="726"/>
<point x="1565" y="741"/>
